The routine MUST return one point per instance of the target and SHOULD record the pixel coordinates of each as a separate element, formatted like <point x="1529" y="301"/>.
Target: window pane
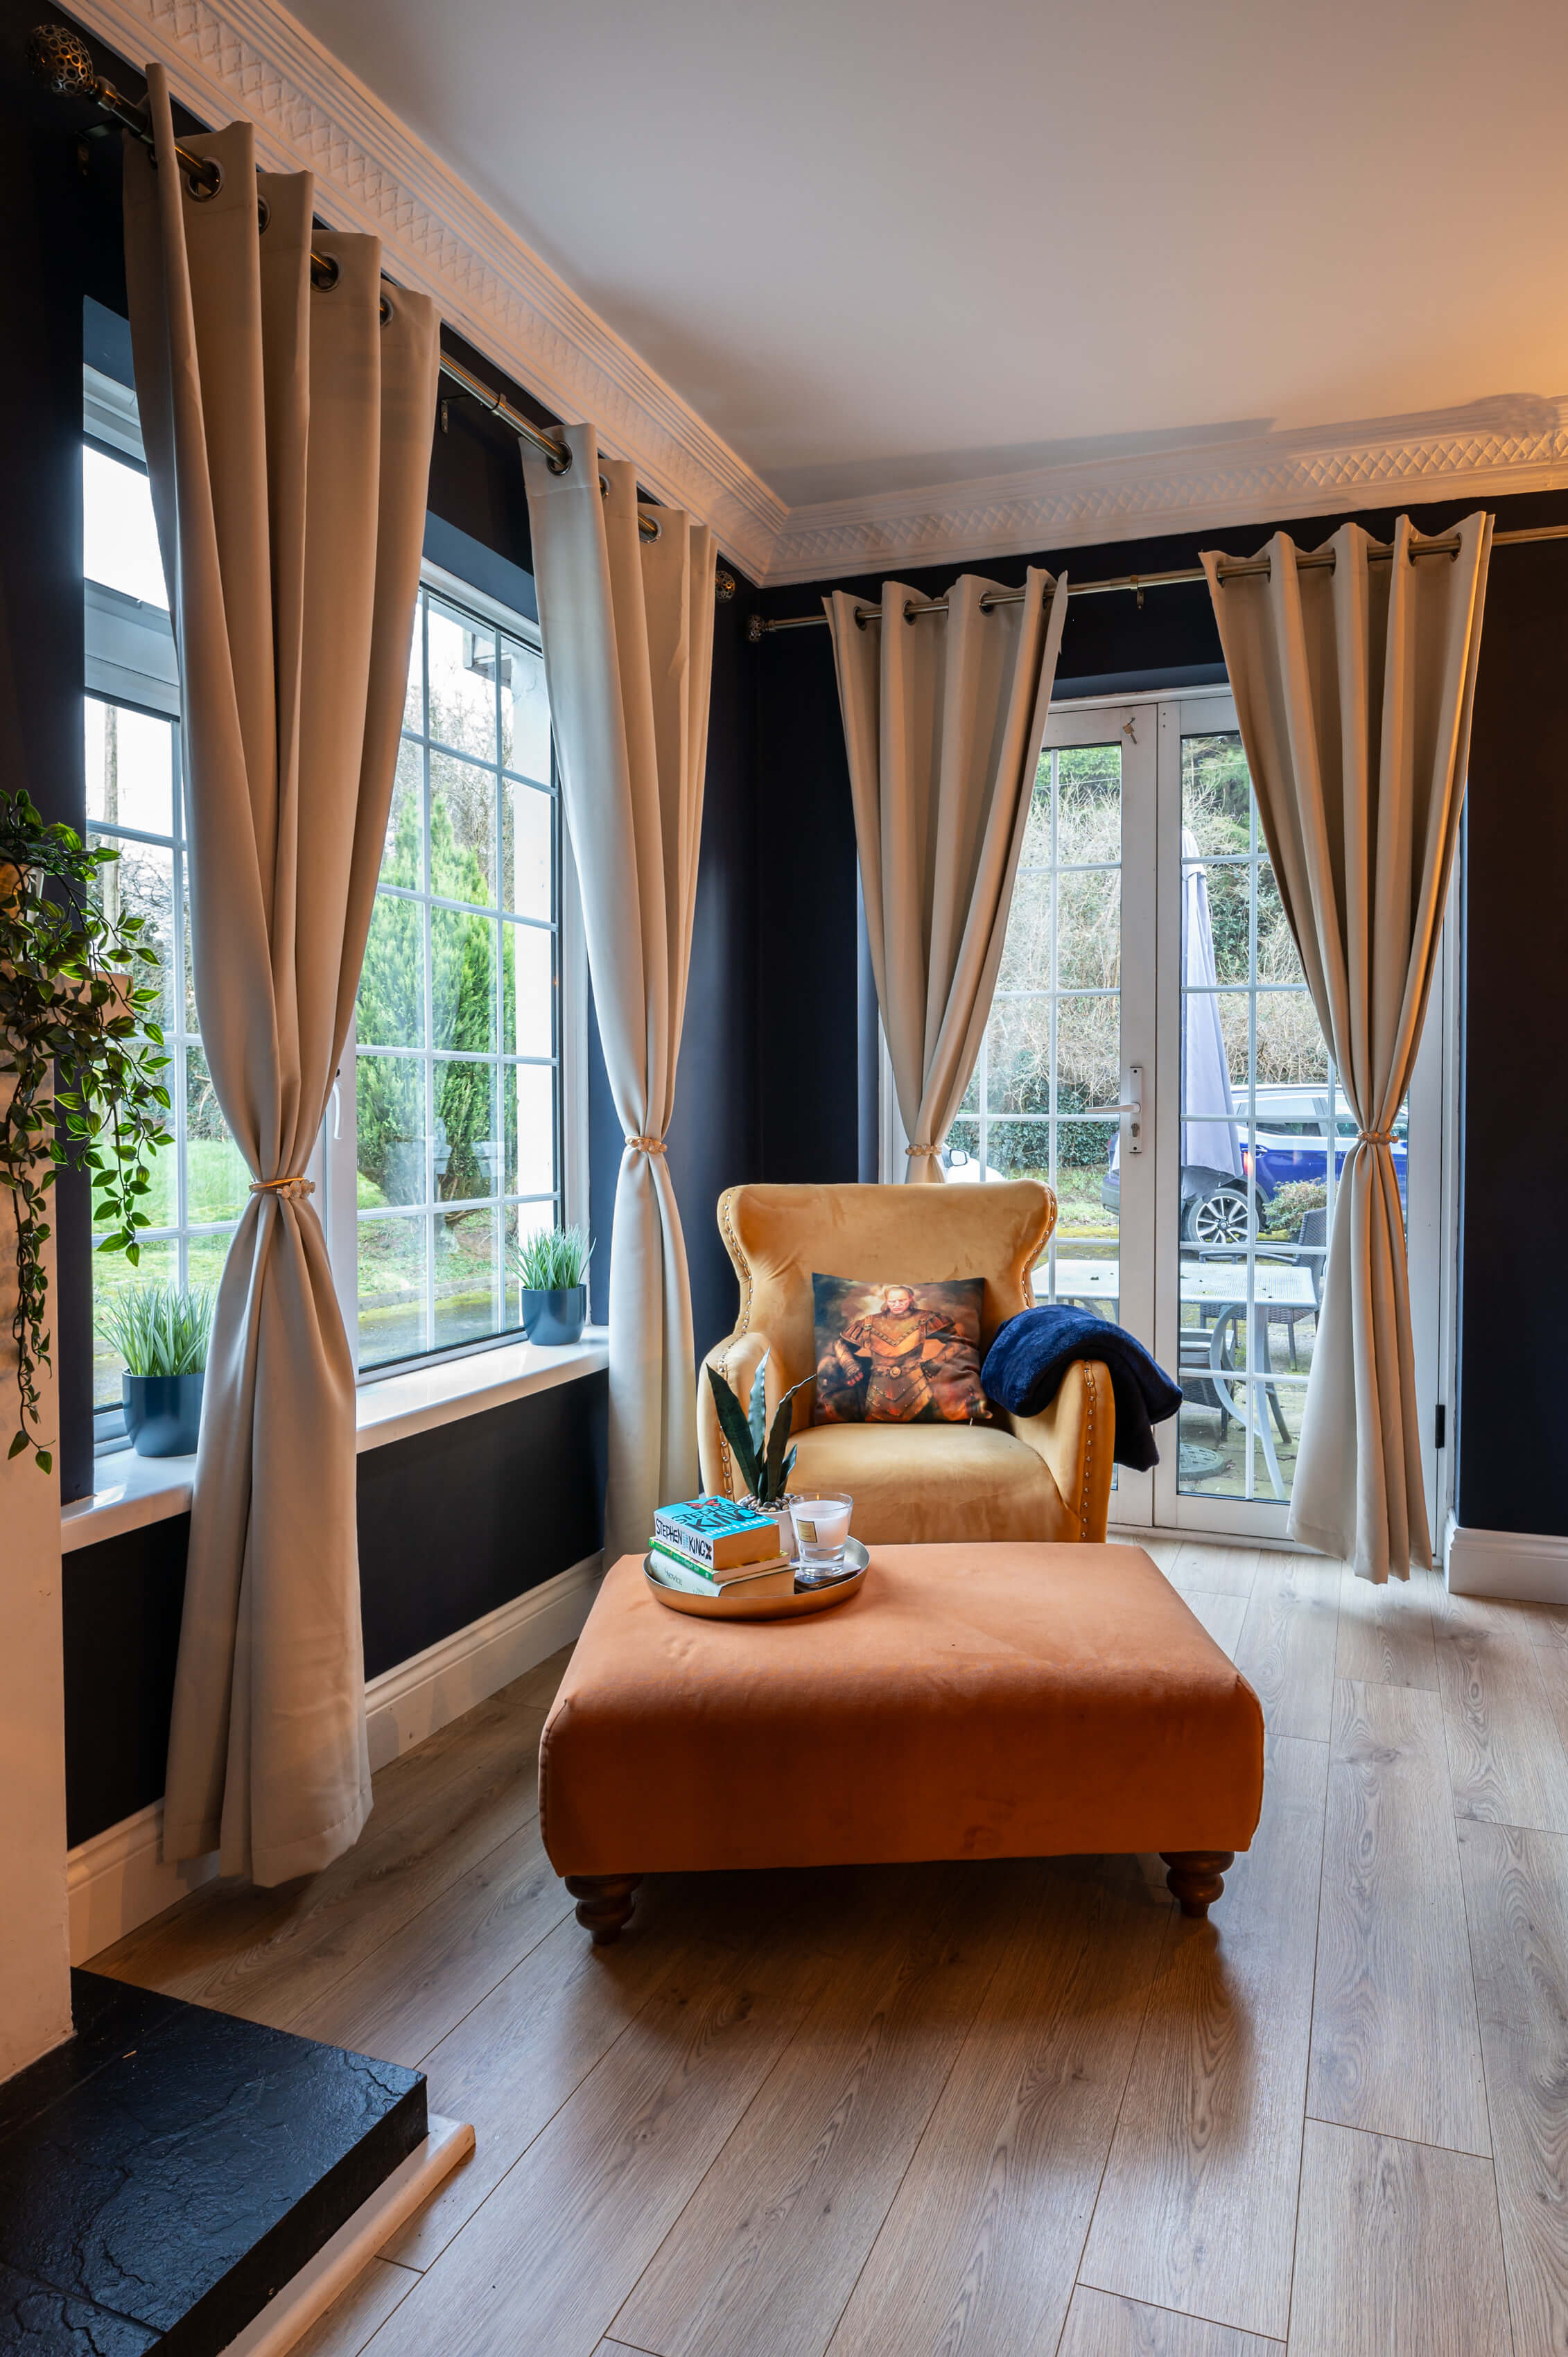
<point x="1089" y="928"/>
<point x="218" y="1184"/>
<point x="446" y="1123"/>
<point x="462" y="981"/>
<point x="113" y="1277"/>
<point x="467" y="1306"/>
<point x="529" y="1096"/>
<point x="1216" y="793"/>
<point x="525" y="712"/>
<point x="140" y="883"/>
<point x="403" y="861"/>
<point x="1088" y="804"/>
<point x="413" y="704"/>
<point x="120" y="539"/>
<point x="467" y="1147"/>
<point x="130" y="769"/>
<point x="462" y="684"/>
<point x="1217" y="894"/>
<point x="1089" y="1050"/>
<point x="391" y="1289"/>
<point x="526" y="850"/>
<point x="205" y="1257"/>
<point x="1278" y="957"/>
<point x="389" y="1100"/>
<point x="1019" y="1149"/>
<point x="391" y="1004"/>
<point x="528" y="1013"/>
<point x="462" y="831"/>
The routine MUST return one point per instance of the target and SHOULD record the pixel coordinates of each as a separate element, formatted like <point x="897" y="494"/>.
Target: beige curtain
<point x="944" y="720"/>
<point x="627" y="625"/>
<point x="1354" y="688"/>
<point x="288" y="440"/>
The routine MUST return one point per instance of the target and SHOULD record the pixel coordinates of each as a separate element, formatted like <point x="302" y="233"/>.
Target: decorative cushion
<point x="898" y="1353"/>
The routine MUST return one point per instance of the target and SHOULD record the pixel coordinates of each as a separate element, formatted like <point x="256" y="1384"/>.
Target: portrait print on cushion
<point x="898" y="1353"/>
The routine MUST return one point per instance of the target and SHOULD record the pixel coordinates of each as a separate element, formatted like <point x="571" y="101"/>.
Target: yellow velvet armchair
<point x="1043" y="1477"/>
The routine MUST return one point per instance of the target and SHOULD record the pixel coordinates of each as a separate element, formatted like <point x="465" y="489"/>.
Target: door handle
<point x="1133" y="1107"/>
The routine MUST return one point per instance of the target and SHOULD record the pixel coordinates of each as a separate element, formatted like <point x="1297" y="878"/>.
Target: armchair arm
<point x="1076" y="1437"/>
<point x="737" y="1359"/>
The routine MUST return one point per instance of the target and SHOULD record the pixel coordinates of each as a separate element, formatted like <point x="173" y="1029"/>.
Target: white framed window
<point x="470" y="1126"/>
<point x="450" y="1135"/>
<point x="135" y="804"/>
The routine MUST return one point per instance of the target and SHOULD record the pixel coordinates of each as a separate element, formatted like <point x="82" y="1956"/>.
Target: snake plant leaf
<point x="736" y="1430"/>
<point x="775" y="1472"/>
<point x="757" y="1406"/>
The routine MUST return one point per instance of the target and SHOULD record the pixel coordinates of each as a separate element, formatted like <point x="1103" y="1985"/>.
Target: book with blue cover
<point x="716" y="1533"/>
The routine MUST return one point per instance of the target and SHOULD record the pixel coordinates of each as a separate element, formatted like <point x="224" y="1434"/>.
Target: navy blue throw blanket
<point x="1025" y="1366"/>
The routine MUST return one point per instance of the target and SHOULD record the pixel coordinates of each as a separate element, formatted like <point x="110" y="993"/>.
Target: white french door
<point x="1154" y="1056"/>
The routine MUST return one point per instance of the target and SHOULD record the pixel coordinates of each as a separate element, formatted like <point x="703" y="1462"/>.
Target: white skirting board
<point x="117" y="1880"/>
<point x="1528" y="1567"/>
<point x="290" y="2313"/>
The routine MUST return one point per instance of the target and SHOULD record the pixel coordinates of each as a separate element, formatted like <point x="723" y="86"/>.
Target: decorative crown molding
<point x="1481" y="453"/>
<point x="252" y="57"/>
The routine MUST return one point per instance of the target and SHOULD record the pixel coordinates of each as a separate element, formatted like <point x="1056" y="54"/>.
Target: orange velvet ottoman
<point x="988" y="1701"/>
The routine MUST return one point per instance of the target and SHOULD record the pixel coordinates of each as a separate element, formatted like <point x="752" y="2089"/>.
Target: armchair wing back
<point x="1046" y="1476"/>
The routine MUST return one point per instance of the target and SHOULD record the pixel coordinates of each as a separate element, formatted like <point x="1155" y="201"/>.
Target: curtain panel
<point x="1354" y="686"/>
<point x="943" y="720"/>
<point x="289" y="434"/>
<point x="628" y="626"/>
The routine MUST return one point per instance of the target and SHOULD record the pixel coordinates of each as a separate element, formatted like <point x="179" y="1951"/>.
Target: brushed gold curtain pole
<point x="63" y="62"/>
<point x="1230" y="570"/>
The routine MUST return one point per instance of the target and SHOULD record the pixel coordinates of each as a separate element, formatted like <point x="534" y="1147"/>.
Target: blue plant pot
<point x="553" y="1316"/>
<point x="163" y="1413"/>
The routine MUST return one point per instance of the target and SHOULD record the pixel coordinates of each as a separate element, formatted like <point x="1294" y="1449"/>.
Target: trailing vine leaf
<point x="76" y="1000"/>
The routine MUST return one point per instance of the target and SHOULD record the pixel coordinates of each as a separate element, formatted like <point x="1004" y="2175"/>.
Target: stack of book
<point x="713" y="1543"/>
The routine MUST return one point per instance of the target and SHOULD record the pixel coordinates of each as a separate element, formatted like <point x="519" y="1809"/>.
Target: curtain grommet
<point x="206" y="184"/>
<point x="263" y="215"/>
<point x="331" y="269"/>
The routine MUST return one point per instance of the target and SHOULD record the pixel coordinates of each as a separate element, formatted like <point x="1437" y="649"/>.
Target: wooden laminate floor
<point x="1021" y="2109"/>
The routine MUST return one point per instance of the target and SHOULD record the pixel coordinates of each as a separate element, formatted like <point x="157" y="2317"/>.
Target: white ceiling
<point x="882" y="243"/>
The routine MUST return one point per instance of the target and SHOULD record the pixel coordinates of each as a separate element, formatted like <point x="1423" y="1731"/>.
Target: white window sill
<point x="131" y="1492"/>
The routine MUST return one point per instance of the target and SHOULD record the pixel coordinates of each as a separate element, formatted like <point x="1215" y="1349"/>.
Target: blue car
<point x="1288" y="1148"/>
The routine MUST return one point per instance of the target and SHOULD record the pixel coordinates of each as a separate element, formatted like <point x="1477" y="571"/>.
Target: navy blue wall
<point x="1513" y="1469"/>
<point x="453" y="1523"/>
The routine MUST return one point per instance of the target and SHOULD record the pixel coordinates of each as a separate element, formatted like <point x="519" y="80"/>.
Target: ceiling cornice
<point x="252" y="57"/>
<point x="1262" y="478"/>
<point x="228" y="58"/>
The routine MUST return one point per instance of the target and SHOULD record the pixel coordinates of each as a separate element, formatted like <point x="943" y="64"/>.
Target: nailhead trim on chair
<point x="743" y="1271"/>
<point x="1092" y="1388"/>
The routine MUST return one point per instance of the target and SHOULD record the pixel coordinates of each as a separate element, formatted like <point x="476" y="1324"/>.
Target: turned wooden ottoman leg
<point x="604" y="1903"/>
<point x="1196" y="1876"/>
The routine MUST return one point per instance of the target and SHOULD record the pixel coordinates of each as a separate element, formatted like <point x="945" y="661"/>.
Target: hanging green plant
<point x="75" y="998"/>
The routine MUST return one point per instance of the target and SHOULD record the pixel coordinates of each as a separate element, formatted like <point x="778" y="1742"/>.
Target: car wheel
<point x="1216" y="1219"/>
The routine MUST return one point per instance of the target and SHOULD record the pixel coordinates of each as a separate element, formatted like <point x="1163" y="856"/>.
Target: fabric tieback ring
<point x="293" y="1188"/>
<point x="912" y="1150"/>
<point x="647" y="1144"/>
<point x="1375" y="1137"/>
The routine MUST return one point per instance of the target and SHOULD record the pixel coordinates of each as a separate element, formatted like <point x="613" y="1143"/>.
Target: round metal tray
<point x="724" y="1605"/>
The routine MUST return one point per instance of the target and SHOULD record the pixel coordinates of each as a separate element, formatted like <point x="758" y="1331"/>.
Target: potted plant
<point x="77" y="1003"/>
<point x="552" y="1270"/>
<point x="763" y="1456"/>
<point x="162" y="1332"/>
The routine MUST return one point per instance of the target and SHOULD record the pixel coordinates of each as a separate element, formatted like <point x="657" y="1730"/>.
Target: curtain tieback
<point x="1375" y="1137"/>
<point x="923" y="1148"/>
<point x="648" y="1145"/>
<point x="298" y="1185"/>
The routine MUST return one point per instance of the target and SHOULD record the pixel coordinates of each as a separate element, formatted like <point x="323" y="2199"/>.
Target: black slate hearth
<point x="170" y="2168"/>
